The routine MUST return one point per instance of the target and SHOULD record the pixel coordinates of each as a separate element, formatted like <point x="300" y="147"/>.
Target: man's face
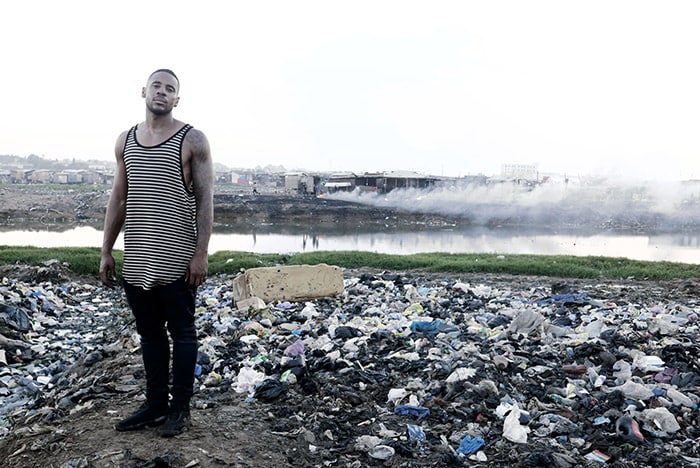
<point x="161" y="93"/>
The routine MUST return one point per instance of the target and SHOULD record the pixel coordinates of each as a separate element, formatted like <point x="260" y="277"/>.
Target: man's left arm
<point x="203" y="183"/>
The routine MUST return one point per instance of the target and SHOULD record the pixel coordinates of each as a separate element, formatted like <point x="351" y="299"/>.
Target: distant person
<point x="255" y="188"/>
<point x="163" y="197"/>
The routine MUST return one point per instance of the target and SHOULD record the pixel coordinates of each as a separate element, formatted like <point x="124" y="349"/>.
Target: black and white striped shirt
<point x="160" y="232"/>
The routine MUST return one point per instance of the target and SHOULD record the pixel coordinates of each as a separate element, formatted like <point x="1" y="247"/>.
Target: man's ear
<point x="177" y="101"/>
<point x="143" y="92"/>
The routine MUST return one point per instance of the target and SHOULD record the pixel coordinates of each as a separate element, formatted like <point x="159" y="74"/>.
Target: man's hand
<point x="197" y="269"/>
<point x="108" y="270"/>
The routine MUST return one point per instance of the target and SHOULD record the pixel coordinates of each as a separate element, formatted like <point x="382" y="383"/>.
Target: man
<point x="163" y="197"/>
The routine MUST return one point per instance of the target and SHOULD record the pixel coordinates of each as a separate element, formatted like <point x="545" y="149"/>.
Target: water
<point x="666" y="247"/>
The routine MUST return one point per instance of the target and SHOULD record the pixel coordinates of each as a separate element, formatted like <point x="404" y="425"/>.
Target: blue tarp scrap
<point x="429" y="327"/>
<point x="470" y="445"/>
<point x="419" y="412"/>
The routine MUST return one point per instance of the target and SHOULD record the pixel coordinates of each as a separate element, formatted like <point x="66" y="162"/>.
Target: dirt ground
<point x="229" y="432"/>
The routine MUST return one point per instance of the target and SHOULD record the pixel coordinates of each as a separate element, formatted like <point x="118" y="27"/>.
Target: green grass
<point x="85" y="261"/>
<point x="81" y="260"/>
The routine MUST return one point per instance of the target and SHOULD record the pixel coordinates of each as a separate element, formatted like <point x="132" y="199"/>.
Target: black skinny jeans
<point x="159" y="311"/>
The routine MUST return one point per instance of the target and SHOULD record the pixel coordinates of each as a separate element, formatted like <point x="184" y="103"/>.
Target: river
<point x="663" y="247"/>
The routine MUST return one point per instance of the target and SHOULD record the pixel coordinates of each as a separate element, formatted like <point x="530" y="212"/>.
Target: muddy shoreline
<point x="39" y="206"/>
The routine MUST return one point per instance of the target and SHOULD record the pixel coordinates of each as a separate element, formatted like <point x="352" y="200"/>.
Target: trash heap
<point x="403" y="367"/>
<point x="48" y="328"/>
<point x="400" y="368"/>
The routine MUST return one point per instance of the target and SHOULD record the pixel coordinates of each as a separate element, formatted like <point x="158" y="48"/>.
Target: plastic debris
<point x="597" y="456"/>
<point x="417" y="412"/>
<point x="295" y="349"/>
<point x="400" y="369"/>
<point x="382" y="452"/>
<point x="513" y="430"/>
<point x="470" y="444"/>
<point x="662" y="419"/>
<point x="415" y="433"/>
<point x="248" y="379"/>
<point x="270" y="389"/>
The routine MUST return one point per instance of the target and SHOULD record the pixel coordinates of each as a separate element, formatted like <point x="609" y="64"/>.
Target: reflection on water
<point x="676" y="248"/>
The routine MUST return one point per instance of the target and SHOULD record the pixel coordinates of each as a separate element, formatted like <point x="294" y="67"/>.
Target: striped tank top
<point x="160" y="231"/>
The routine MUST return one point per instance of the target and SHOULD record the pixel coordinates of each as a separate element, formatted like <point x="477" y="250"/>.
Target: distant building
<point x="21" y="176"/>
<point x="225" y="177"/>
<point x="404" y="179"/>
<point x="108" y="178"/>
<point x="340" y="182"/>
<point x="369" y="181"/>
<point x="89" y="177"/>
<point x="381" y="182"/>
<point x="67" y="177"/>
<point x="41" y="176"/>
<point x="301" y="183"/>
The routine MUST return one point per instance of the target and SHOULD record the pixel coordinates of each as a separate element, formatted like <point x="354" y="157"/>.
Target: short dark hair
<point x="165" y="70"/>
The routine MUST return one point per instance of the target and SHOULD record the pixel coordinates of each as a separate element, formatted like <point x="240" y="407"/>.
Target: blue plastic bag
<point x="417" y="411"/>
<point x="470" y="445"/>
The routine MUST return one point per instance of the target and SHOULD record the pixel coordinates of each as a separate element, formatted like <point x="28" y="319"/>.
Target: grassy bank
<point x="85" y="261"/>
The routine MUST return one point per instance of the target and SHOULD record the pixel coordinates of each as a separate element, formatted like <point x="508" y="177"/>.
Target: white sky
<point x="439" y="87"/>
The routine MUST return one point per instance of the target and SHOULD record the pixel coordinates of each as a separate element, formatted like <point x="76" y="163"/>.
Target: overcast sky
<point x="439" y="87"/>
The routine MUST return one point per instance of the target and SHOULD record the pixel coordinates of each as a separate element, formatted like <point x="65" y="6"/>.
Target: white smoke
<point x="568" y="201"/>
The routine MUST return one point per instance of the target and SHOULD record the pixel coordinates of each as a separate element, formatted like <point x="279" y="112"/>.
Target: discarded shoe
<point x="176" y="423"/>
<point x="143" y="417"/>
<point x="627" y="428"/>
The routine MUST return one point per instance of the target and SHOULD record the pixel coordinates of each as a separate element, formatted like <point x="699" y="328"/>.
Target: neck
<point x="156" y="122"/>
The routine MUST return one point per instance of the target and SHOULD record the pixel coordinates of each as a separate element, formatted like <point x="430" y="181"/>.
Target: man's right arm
<point x="114" y="217"/>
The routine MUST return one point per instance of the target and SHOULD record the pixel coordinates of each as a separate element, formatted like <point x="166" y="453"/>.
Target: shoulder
<point x="122" y="136"/>
<point x="197" y="141"/>
<point x="121" y="142"/>
<point x="194" y="135"/>
<point x="121" y="139"/>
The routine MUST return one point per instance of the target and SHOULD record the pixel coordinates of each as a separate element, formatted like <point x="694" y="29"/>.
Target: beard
<point x="159" y="110"/>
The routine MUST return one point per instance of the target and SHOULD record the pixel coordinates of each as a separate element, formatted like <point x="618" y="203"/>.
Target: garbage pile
<point x="48" y="329"/>
<point x="401" y="368"/>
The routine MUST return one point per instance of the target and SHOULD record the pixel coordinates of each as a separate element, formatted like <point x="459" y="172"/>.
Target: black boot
<point x="176" y="423"/>
<point x="145" y="416"/>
